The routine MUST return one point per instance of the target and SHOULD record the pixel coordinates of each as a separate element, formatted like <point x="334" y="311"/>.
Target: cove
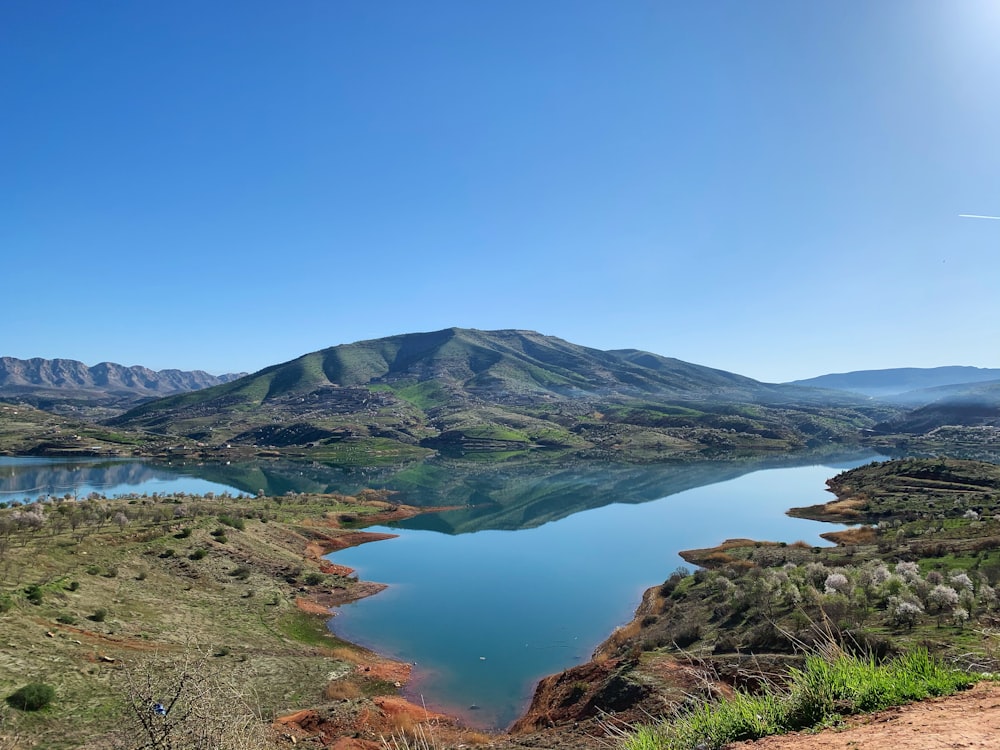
<point x="485" y="613"/>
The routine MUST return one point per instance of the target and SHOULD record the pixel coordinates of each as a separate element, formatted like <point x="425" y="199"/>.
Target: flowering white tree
<point x="905" y="611"/>
<point x="837" y="583"/>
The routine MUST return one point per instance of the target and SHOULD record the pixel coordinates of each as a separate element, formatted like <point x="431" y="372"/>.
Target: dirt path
<point x="967" y="720"/>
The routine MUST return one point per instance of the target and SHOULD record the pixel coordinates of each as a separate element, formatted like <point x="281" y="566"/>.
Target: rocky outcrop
<point x="107" y="377"/>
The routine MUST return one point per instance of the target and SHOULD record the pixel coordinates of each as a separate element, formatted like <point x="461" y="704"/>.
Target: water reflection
<point x="27" y="479"/>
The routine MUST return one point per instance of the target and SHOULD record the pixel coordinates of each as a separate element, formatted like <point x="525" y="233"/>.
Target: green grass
<point x="495" y="432"/>
<point x="823" y="691"/>
<point x="306" y="629"/>
<point x="426" y="395"/>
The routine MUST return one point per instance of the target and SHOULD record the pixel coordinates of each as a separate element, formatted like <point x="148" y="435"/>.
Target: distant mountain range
<point x="509" y="390"/>
<point x="905" y="385"/>
<point x="934" y="397"/>
<point x="65" y="383"/>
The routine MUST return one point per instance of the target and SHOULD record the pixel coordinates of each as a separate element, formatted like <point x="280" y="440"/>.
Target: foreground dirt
<point x="966" y="720"/>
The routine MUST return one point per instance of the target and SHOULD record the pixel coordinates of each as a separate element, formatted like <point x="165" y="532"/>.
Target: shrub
<point x="220" y="535"/>
<point x="32" y="697"/>
<point x="66" y="619"/>
<point x="314" y="579"/>
<point x="183" y="533"/>
<point x="73" y="585"/>
<point x="33" y="594"/>
<point x="241" y="572"/>
<point x="99" y="615"/>
<point x="198" y="554"/>
<point x="236" y="523"/>
<point x="685" y="635"/>
<point x="168" y="552"/>
<point x="668" y="586"/>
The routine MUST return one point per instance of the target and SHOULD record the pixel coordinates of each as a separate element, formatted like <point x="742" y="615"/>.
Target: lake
<point x="533" y="567"/>
<point x="485" y="614"/>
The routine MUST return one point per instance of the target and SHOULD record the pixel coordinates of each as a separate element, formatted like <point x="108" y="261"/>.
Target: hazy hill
<point x="969" y="405"/>
<point x="67" y="385"/>
<point x="501" y="390"/>
<point x="904" y="385"/>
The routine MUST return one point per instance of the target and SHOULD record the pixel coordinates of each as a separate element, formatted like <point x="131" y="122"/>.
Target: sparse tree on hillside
<point x="188" y="703"/>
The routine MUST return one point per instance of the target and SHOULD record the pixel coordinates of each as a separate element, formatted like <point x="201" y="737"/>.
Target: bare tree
<point x="188" y="703"/>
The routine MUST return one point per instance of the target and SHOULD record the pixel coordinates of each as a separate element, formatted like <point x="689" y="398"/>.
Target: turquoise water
<point x="485" y="614"/>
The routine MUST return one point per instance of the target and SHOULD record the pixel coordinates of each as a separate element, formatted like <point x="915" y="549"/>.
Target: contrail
<point x="977" y="216"/>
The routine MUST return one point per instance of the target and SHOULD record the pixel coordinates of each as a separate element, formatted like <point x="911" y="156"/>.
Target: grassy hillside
<point x="98" y="591"/>
<point x="501" y="392"/>
<point x="26" y="430"/>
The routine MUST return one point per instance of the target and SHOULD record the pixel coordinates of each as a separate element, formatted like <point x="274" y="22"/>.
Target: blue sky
<point x="768" y="187"/>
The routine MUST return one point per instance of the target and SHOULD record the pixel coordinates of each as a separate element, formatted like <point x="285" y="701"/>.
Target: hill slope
<point x="974" y="405"/>
<point x="504" y="390"/>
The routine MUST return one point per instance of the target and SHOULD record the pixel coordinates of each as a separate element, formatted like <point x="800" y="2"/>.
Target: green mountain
<point x="475" y="392"/>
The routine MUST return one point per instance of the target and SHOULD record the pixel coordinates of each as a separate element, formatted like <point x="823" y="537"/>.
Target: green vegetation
<point x="229" y="599"/>
<point x="822" y="692"/>
<point x="32" y="697"/>
<point x="24" y="429"/>
<point x="468" y="392"/>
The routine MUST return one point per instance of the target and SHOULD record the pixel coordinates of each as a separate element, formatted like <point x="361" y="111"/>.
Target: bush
<point x="314" y="579"/>
<point x="73" y="585"/>
<point x="33" y="593"/>
<point x="183" y="533"/>
<point x="99" y="615"/>
<point x="32" y="697"/>
<point x="66" y="619"/>
<point x="684" y="634"/>
<point x="198" y="554"/>
<point x="220" y="535"/>
<point x="241" y="572"/>
<point x="236" y="523"/>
